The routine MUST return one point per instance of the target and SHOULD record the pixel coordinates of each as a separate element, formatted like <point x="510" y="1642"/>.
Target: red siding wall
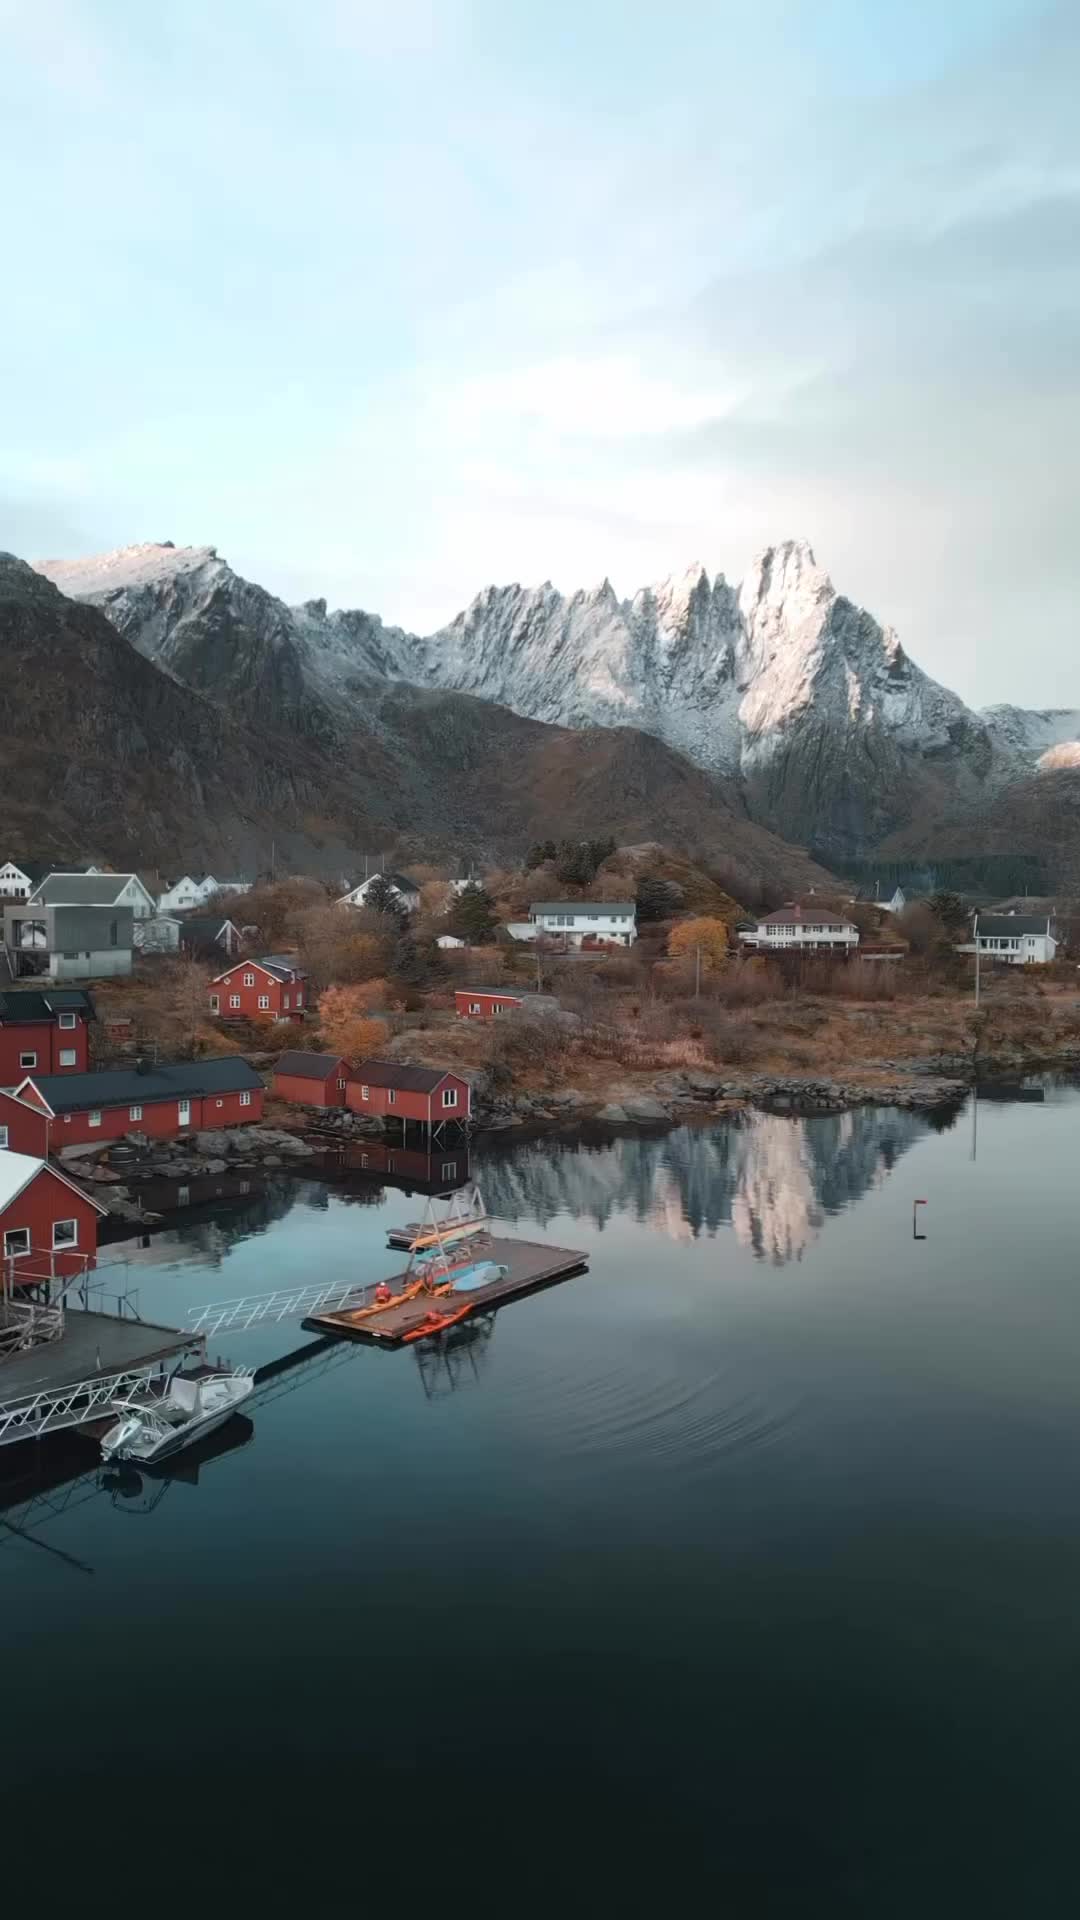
<point x="407" y="1105"/>
<point x="27" y="1128"/>
<point x="313" y="1093"/>
<point x="48" y="1041"/>
<point x="46" y="1200"/>
<point x="160" y="1119"/>
<point x="231" y="985"/>
<point x="488" y="1003"/>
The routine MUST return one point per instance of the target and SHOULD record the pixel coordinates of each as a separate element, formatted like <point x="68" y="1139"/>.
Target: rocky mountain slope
<point x="781" y="686"/>
<point x="105" y="752"/>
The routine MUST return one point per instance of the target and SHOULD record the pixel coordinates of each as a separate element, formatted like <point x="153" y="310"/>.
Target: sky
<point x="390" y="301"/>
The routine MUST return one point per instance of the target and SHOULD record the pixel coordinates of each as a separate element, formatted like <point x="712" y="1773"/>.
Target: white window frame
<point x="248" y="979"/>
<point x="264" y="1003"/>
<point x="67" y="1021"/>
<point x="341" y="1085"/>
<point x="134" y="1113"/>
<point x="364" y="1091"/>
<point x="28" y="1060"/>
<point x="234" y="999"/>
<point x="219" y="1103"/>
<point x="475" y="1007"/>
<point x="68" y="1057"/>
<point x="215" y="1003"/>
<point x="16" y="1233"/>
<point x="449" y="1170"/>
<point x="64" y="1245"/>
<point x="245" y="1099"/>
<point x="391" y="1097"/>
<point x="3" y="1138"/>
<point x="93" y="1118"/>
<point x="285" y="1001"/>
<point x="449" y="1097"/>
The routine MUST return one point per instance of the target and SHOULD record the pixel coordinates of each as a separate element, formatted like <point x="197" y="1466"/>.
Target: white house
<point x="159" y="935"/>
<point x="406" y="890"/>
<point x="896" y="904"/>
<point x="1020" y="939"/>
<point x="95" y="890"/>
<point x="806" y="929"/>
<point x="447" y="940"/>
<point x="18" y="878"/>
<point x="186" y="894"/>
<point x="569" y="922"/>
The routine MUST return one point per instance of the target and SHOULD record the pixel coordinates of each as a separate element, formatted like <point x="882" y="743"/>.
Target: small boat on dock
<point x="436" y="1322"/>
<point x="481" y="1273"/>
<point x="194" y="1402"/>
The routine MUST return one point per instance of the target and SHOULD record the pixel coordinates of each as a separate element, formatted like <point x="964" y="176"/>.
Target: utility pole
<point x="539" y="975"/>
<point x="976" y="962"/>
<point x="697" y="973"/>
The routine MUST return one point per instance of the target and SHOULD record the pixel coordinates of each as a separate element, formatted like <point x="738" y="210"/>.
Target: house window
<point x="285" y="1000"/>
<point x="449" y="1170"/>
<point x="67" y="1056"/>
<point x="249" y="979"/>
<point x="363" y="1093"/>
<point x="234" y="999"/>
<point x="16" y="1242"/>
<point x="228" y="979"/>
<point x="114" y="933"/>
<point x="264" y="1001"/>
<point x="3" y="1137"/>
<point x="341" y="1086"/>
<point x="391" y="1097"/>
<point x="94" y="1119"/>
<point x="245" y="1099"/>
<point x="28" y="1059"/>
<point x="215" y="1003"/>
<point x="497" y="1007"/>
<point x="65" y="1233"/>
<point x="474" y="1006"/>
<point x="299" y="997"/>
<point x="449" y="1098"/>
<point x="67" y="1020"/>
<point x="134" y="1113"/>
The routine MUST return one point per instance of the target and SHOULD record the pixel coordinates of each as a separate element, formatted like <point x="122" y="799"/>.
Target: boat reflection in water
<point x="139" y="1489"/>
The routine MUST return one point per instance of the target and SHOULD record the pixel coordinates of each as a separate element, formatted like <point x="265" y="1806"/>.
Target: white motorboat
<point x="195" y="1401"/>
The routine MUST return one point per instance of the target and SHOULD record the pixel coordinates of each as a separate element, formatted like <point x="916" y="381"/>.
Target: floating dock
<point x="66" y="1382"/>
<point x="530" y="1265"/>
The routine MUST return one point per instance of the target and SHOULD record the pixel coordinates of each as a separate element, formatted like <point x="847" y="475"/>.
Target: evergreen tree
<point x="382" y="898"/>
<point x="472" y="916"/>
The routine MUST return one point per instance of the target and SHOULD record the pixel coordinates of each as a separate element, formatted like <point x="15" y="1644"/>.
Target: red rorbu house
<point x="274" y="988"/>
<point x="312" y="1079"/>
<point x="429" y="1097"/>
<point x="481" y="1003"/>
<point x="159" y="1101"/>
<point x="24" y="1128"/>
<point x="43" y="1032"/>
<point x="48" y="1225"/>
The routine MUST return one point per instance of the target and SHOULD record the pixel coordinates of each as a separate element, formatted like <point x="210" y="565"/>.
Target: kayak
<point x="480" y="1274"/>
<point x="453" y="1230"/>
<point x="434" y="1322"/>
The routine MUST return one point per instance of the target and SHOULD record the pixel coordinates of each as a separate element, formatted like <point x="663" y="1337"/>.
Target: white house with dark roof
<point x="187" y="893"/>
<point x="571" y="922"/>
<point x="406" y="890"/>
<point x="95" y="890"/>
<point x="802" y="929"/>
<point x="1019" y="939"/>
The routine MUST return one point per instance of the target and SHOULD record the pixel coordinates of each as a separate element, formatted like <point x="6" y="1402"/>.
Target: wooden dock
<point x="92" y="1347"/>
<point x="530" y="1265"/>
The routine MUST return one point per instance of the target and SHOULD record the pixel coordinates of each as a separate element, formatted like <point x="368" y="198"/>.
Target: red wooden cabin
<point x="44" y="1032"/>
<point x="24" y="1128"/>
<point x="427" y="1096"/>
<point x="48" y="1225"/>
<point x="312" y="1079"/>
<point x="481" y="1003"/>
<point x="274" y="988"/>
<point x="159" y="1101"/>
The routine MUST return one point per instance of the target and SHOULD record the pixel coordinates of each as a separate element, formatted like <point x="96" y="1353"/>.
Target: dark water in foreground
<point x="743" y="1570"/>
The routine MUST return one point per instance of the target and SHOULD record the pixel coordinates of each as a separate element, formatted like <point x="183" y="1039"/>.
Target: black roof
<point x="993" y="924"/>
<point x="35" y="870"/>
<point x="309" y="1066"/>
<point x="204" y="925"/>
<point x="126" y="1086"/>
<point x="35" y="1005"/>
<point x="282" y="964"/>
<point x="395" y="1073"/>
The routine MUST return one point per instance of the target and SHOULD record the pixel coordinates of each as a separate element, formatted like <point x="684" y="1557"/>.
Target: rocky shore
<point x="114" y="1171"/>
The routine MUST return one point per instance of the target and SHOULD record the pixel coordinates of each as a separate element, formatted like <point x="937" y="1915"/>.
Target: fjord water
<point x="745" y="1567"/>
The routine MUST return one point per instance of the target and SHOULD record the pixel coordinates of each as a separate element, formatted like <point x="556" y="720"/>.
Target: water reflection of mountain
<point x="772" y="1178"/>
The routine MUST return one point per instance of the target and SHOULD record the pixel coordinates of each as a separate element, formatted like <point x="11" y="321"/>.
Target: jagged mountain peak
<point x="148" y="563"/>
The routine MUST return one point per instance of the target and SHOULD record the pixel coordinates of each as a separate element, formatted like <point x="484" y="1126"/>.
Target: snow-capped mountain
<point x="782" y="685"/>
<point x="1041" y="737"/>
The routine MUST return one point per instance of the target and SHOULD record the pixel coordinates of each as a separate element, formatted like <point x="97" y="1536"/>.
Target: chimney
<point x="142" y="1064"/>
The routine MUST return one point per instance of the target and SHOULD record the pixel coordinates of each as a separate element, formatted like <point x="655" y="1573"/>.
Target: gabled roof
<point x="32" y="870"/>
<point x="17" y="1006"/>
<point x="804" y="917"/>
<point x="394" y="1073"/>
<point x="310" y="1066"/>
<point x="278" y="965"/>
<point x="18" y="1169"/>
<point x="993" y="925"/>
<point x="83" y="889"/>
<point x="399" y="881"/>
<point x="498" y="993"/>
<point x="126" y="1086"/>
<point x="205" y="926"/>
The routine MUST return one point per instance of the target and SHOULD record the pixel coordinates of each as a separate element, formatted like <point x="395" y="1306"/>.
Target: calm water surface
<point x="744" y="1568"/>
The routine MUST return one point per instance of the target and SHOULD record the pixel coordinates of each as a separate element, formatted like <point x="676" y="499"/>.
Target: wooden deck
<point x="530" y="1264"/>
<point x="91" y="1347"/>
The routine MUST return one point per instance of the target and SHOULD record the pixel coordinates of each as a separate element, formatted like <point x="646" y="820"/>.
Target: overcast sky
<point x="390" y="300"/>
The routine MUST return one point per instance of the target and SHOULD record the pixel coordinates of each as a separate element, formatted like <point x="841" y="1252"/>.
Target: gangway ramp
<point x="286" y="1303"/>
<point x="98" y="1357"/>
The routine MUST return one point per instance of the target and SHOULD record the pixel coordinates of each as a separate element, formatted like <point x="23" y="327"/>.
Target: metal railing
<point x="287" y="1303"/>
<point x="56" y="1407"/>
<point x="25" y="1324"/>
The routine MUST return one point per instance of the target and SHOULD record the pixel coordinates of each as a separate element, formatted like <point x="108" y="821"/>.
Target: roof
<point x="282" y="963"/>
<point x="83" y="889"/>
<point x="309" y="1066"/>
<point x="32" y="870"/>
<point x="991" y="925"/>
<point x="18" y="1169"/>
<point x="395" y="1073"/>
<point x="804" y="917"/>
<point x="585" y="909"/>
<point x="500" y="993"/>
<point x="18" y="1006"/>
<point x="205" y="926"/>
<point x="126" y="1086"/>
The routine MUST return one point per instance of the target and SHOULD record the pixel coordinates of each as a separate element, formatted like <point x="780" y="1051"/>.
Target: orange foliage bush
<point x="346" y="1024"/>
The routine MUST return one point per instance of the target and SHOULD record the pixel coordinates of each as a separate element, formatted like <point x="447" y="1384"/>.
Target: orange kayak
<point x="438" y="1236"/>
<point x="435" y="1322"/>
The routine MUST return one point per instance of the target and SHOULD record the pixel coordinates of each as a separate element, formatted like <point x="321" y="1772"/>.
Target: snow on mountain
<point x="1037" y="737"/>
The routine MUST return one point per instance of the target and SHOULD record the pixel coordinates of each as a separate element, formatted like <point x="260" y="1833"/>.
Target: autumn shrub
<point x="747" y="983"/>
<point x="346" y="1026"/>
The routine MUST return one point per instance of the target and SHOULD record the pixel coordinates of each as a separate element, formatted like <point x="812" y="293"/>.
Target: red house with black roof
<point x="48" y="1225"/>
<point x="43" y="1032"/>
<point x="24" y="1128"/>
<point x="160" y="1101"/>
<point x="312" y="1079"/>
<point x="273" y="988"/>
<point x="427" y="1096"/>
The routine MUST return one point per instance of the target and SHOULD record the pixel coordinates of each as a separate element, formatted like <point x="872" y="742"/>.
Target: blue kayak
<point x="480" y="1274"/>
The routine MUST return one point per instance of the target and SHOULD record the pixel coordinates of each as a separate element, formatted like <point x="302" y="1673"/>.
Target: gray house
<point x="67" y="942"/>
